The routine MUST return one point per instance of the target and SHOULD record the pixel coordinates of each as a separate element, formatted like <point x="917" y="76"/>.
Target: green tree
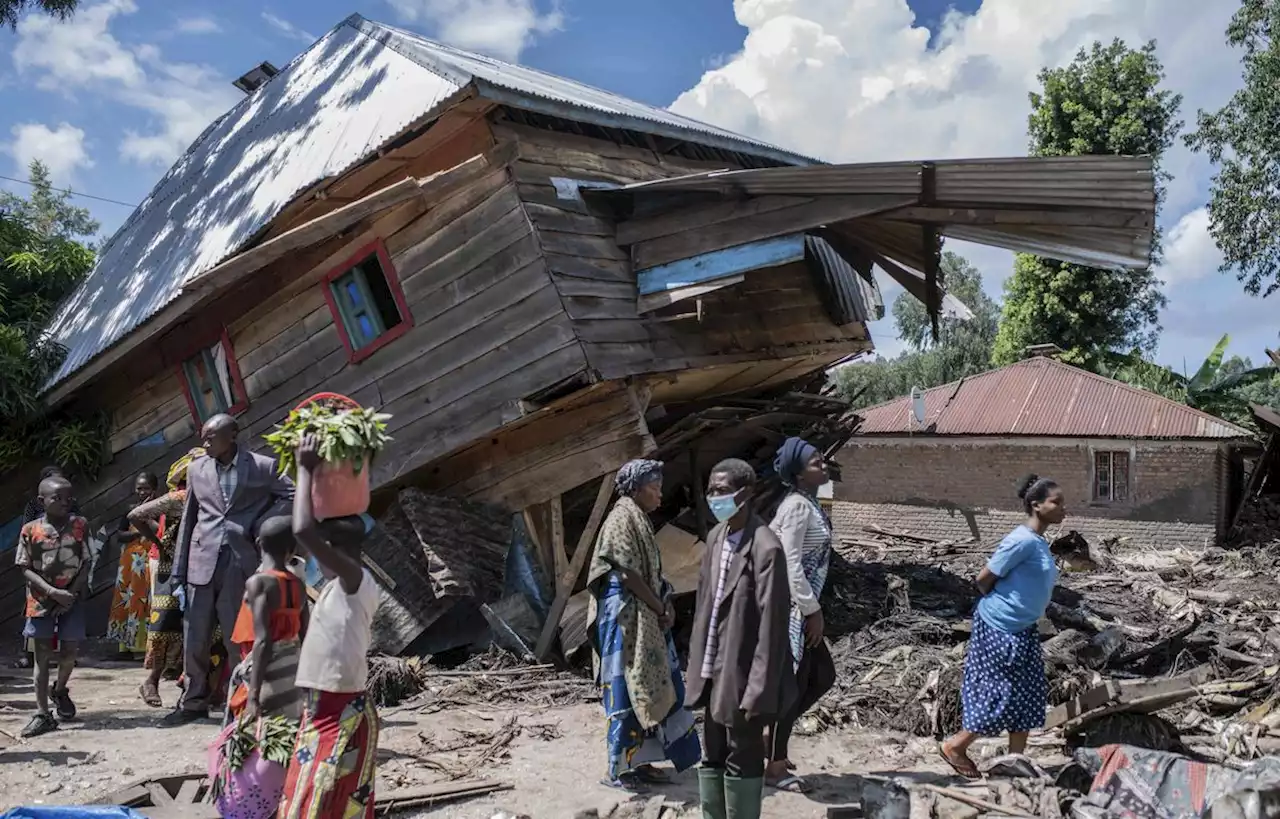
<point x="963" y="347"/>
<point x="41" y="263"/>
<point x="1242" y="140"/>
<point x="1107" y="101"/>
<point x="11" y="10"/>
<point x="1220" y="386"/>
<point x="47" y="211"/>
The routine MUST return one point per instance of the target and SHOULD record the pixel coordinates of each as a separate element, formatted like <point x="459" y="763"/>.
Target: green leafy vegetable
<point x="272" y="737"/>
<point x="345" y="434"/>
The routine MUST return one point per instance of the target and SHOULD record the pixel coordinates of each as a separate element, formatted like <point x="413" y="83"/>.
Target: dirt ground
<point x="117" y="739"/>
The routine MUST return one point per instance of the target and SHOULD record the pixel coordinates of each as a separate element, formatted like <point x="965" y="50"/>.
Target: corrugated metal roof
<point x="539" y="91"/>
<point x="1044" y="397"/>
<point x="844" y="291"/>
<point x="353" y="92"/>
<point x="1094" y="210"/>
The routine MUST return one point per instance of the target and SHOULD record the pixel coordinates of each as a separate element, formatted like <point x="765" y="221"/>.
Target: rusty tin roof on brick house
<point x="1044" y="397"/>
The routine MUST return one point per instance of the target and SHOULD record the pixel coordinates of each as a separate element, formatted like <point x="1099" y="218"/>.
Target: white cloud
<point x="199" y="25"/>
<point x="857" y="80"/>
<point x="1190" y="252"/>
<point x="500" y="28"/>
<point x="61" y="149"/>
<point x="82" y="55"/>
<point x="288" y="29"/>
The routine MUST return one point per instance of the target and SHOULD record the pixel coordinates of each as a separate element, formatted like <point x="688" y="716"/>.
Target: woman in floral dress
<point x="159" y="521"/>
<point x="127" y="620"/>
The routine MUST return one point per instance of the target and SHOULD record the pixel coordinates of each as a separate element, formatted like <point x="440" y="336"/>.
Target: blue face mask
<point x="723" y="506"/>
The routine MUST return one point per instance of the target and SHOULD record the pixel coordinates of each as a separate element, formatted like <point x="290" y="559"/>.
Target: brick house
<point x="1132" y="464"/>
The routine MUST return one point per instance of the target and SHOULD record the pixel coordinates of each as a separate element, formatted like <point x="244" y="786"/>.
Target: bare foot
<point x="959" y="761"/>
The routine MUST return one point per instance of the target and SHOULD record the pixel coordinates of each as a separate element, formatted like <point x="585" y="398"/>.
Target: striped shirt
<point x="805" y="534"/>
<point x="727" y="550"/>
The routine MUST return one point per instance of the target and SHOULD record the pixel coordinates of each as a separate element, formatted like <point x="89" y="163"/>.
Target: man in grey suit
<point x="228" y="494"/>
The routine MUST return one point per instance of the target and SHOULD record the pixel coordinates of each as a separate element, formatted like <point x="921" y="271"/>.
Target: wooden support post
<point x="581" y="554"/>
<point x="559" y="559"/>
<point x="695" y="484"/>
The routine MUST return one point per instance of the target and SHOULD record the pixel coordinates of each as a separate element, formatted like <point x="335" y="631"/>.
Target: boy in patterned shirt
<point x="53" y="554"/>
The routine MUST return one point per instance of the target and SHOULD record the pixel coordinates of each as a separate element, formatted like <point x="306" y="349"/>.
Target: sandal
<point x="150" y="694"/>
<point x="39" y="725"/>
<point x="651" y="775"/>
<point x="790" y="784"/>
<point x="963" y="767"/>
<point x="627" y="782"/>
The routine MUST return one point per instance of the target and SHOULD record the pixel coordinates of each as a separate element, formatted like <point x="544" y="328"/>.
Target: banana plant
<point x="1213" y="388"/>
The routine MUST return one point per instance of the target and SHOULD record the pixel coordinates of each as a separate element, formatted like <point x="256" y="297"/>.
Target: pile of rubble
<point x="1205" y="624"/>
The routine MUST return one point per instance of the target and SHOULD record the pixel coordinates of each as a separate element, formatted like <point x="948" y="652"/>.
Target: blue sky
<point x="111" y="98"/>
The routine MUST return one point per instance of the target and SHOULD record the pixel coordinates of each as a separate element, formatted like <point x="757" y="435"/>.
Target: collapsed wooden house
<point x="528" y="273"/>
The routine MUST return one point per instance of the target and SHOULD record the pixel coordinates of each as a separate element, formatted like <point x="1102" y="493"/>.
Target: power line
<point x="71" y="192"/>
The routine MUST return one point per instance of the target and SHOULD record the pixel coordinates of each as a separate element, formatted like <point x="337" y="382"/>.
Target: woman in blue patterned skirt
<point x="1004" y="689"/>
<point x="629" y="622"/>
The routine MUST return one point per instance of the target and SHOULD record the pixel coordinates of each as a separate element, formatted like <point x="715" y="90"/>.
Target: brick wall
<point x="967" y="488"/>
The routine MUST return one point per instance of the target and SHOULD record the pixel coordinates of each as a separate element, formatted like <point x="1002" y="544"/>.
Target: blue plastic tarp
<point x="72" y="812"/>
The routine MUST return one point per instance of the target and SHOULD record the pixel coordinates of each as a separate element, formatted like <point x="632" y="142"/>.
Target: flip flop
<point x="151" y="698"/>
<point x="971" y="774"/>
<point x="790" y="784"/>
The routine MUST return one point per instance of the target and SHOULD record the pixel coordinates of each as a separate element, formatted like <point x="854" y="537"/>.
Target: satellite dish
<point x="917" y="405"/>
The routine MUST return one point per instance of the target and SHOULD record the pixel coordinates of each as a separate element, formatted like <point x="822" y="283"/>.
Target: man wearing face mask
<point x="740" y="667"/>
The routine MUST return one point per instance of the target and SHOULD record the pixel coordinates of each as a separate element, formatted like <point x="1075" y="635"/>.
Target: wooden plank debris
<point x="429" y="795"/>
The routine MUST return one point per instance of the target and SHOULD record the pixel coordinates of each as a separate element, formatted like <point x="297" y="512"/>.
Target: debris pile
<point x="1205" y="624"/>
<point x="500" y="678"/>
<point x="1258" y="523"/>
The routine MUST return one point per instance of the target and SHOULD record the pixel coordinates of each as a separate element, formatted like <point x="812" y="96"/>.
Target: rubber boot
<point x="743" y="797"/>
<point x="711" y="793"/>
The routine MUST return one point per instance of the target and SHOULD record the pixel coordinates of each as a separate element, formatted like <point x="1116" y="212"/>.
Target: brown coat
<point x="753" y="676"/>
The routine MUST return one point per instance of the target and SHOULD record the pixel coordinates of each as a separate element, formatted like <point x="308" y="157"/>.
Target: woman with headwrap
<point x="804" y="529"/>
<point x="159" y="521"/>
<point x="629" y="622"/>
<point x="1004" y="688"/>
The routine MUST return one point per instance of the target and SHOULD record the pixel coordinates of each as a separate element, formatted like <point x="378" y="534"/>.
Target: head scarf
<point x="791" y="459"/>
<point x="178" y="472"/>
<point x="633" y="475"/>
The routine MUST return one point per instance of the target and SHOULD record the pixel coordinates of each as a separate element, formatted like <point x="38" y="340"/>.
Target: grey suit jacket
<point x="209" y="523"/>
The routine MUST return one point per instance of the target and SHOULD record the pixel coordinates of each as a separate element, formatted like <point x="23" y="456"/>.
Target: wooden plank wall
<point x="774" y="313"/>
<point x="489" y="331"/>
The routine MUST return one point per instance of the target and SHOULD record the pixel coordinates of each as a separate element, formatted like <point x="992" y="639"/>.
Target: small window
<point x="367" y="303"/>
<point x="211" y="381"/>
<point x="1110" y="477"/>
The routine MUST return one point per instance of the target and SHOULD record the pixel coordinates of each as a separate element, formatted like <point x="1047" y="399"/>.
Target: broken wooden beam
<point x="426" y="796"/>
<point x="581" y="553"/>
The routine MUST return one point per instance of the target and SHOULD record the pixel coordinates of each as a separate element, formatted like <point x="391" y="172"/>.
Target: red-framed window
<point x="211" y="382"/>
<point x="366" y="301"/>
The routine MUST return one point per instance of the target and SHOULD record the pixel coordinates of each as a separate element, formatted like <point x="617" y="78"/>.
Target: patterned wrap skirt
<point x="331" y="774"/>
<point x="629" y="745"/>
<point x="130" y="601"/>
<point x="1004" y="689"/>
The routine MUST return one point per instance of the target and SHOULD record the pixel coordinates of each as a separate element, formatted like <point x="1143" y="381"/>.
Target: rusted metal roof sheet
<point x="355" y="91"/>
<point x="1044" y="397"/>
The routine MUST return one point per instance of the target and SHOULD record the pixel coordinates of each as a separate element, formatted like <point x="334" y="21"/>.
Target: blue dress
<point x="1004" y="689"/>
